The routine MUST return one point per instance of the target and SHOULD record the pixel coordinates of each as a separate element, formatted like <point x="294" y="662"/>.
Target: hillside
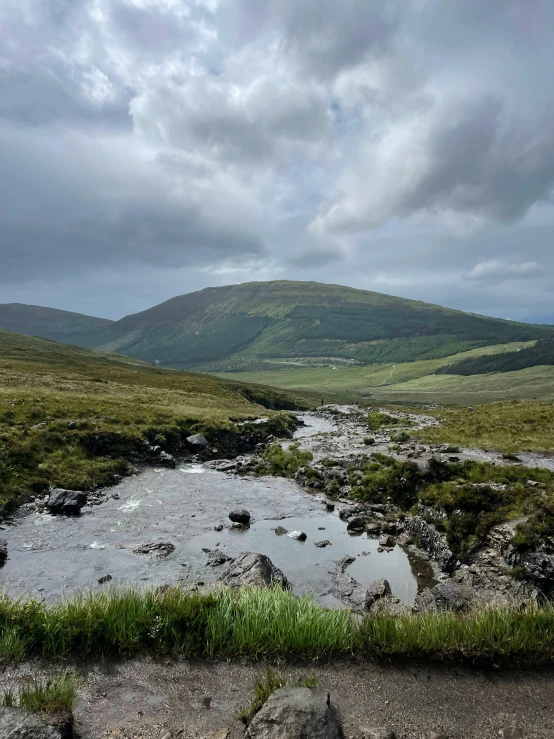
<point x="245" y="327"/>
<point x="72" y="417"/>
<point x="541" y="354"/>
<point x="50" y="323"/>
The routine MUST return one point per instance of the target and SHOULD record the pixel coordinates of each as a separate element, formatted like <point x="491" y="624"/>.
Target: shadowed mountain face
<point x="241" y="326"/>
<point x="49" y="323"/>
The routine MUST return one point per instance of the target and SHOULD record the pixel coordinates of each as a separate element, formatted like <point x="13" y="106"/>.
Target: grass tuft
<point x="57" y="696"/>
<point x="266" y="686"/>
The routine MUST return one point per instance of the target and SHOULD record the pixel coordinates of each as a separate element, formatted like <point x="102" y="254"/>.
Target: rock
<point x="330" y="506"/>
<point x="380" y="550"/>
<point x="404" y="539"/>
<point x="17" y="723"/>
<point x="296" y="713"/>
<point x="511" y="732"/>
<point x="221" y="734"/>
<point x="3" y="551"/>
<point x="378" y="507"/>
<point x="387" y="541"/>
<point x="219" y="527"/>
<point x="196" y="443"/>
<point x="300" y="535"/>
<point x="537" y="564"/>
<point x="373" y="529"/>
<point x="217" y="558"/>
<point x="446" y="596"/>
<point x="376" y="732"/>
<point x="535" y="484"/>
<point x="376" y="591"/>
<point x="357" y="523"/>
<point x="437" y="735"/>
<point x="251" y="568"/>
<point x="240" y="516"/>
<point x="166" y="460"/>
<point x="66" y="502"/>
<point x="431" y="540"/>
<point x="157" y="549"/>
<point x="322" y="544"/>
<point x="346" y="588"/>
<point x="104" y="579"/>
<point x="280" y="530"/>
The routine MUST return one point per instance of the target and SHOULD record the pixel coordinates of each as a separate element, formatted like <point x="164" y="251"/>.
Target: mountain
<point x="246" y="326"/>
<point x="50" y="323"/>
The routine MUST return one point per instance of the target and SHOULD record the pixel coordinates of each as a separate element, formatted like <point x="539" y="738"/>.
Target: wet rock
<point x="3" y="551"/>
<point x="404" y="539"/>
<point x="537" y="564"/>
<point x="223" y="465"/>
<point x="376" y="732"/>
<point x="350" y="511"/>
<point x="378" y="507"/>
<point x="217" y="558"/>
<point x="376" y="591"/>
<point x="322" y="544"/>
<point x="300" y="535"/>
<point x="166" y="460"/>
<point x="157" y="549"/>
<point x="104" y="579"/>
<point x="446" y="596"/>
<point x="66" y="502"/>
<point x="428" y="538"/>
<point x="346" y="588"/>
<point x="241" y="516"/>
<point x="251" y="568"/>
<point x="17" y="723"/>
<point x="296" y="712"/>
<point x="387" y="541"/>
<point x="357" y="523"/>
<point x="373" y="529"/>
<point x="280" y="530"/>
<point x="196" y="443"/>
<point x="219" y="527"/>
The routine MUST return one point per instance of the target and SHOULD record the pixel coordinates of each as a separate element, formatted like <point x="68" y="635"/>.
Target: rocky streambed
<point x="169" y="525"/>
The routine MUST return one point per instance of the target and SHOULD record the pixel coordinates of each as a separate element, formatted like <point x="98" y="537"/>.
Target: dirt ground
<point x="146" y="698"/>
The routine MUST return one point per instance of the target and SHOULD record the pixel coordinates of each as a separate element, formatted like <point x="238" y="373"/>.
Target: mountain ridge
<point x="233" y="327"/>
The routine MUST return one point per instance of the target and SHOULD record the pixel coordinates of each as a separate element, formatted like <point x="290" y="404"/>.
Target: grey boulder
<point x="446" y="596"/>
<point x="256" y="570"/>
<point x="66" y="502"/>
<point x="196" y="443"/>
<point x="3" y="551"/>
<point x="296" y="713"/>
<point x="157" y="549"/>
<point x="16" y="723"/>
<point x="240" y="516"/>
<point x="300" y="535"/>
<point x="357" y="523"/>
<point x="377" y="591"/>
<point x="387" y="541"/>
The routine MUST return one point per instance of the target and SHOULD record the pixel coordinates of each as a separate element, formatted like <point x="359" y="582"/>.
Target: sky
<point x="149" y="148"/>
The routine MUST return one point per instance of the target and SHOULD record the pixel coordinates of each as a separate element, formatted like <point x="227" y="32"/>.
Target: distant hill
<point x="240" y="327"/>
<point x="539" y="355"/>
<point x="50" y="323"/>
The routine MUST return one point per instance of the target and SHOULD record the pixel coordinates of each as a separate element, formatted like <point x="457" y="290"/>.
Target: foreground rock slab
<point x="257" y="570"/>
<point x="66" y="502"/>
<point x="297" y="713"/>
<point x="16" y="723"/>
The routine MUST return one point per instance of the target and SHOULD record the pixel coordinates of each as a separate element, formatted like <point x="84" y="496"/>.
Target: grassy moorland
<point x="72" y="418"/>
<point x="512" y="426"/>
<point x="265" y="624"/>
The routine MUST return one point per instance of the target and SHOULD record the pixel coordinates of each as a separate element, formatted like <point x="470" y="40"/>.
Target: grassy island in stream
<point x="71" y="417"/>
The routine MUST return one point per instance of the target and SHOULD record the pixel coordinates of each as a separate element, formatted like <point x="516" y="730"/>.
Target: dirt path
<point x="146" y="698"/>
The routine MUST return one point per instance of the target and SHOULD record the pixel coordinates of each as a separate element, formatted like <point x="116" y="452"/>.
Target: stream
<point x="51" y="556"/>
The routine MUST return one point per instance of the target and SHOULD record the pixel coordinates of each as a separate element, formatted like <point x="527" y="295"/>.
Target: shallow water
<point x="55" y="555"/>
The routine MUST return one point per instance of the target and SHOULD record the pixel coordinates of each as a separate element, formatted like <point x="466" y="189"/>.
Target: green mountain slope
<point x="239" y="327"/>
<point x="50" y="323"/>
<point x="542" y="353"/>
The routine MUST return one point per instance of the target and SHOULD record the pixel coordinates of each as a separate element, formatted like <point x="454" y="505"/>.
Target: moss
<point x="282" y="462"/>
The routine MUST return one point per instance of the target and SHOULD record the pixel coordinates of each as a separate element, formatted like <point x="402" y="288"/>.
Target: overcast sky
<point x="149" y="148"/>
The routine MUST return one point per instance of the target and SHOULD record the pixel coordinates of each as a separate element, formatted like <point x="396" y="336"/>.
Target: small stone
<point x="196" y="443"/>
<point x="280" y="530"/>
<point x="241" y="516"/>
<point x="387" y="541"/>
<point x="511" y="732"/>
<point x="380" y="550"/>
<point x="218" y="528"/>
<point x="3" y="551"/>
<point x="299" y="535"/>
<point x="322" y="544"/>
<point x="104" y="579"/>
<point x="330" y="506"/>
<point x="158" y="549"/>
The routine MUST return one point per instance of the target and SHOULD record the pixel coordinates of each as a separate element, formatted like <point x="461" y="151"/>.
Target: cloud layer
<point x="150" y="147"/>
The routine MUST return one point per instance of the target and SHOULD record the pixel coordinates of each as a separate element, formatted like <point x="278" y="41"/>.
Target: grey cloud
<point x="495" y="271"/>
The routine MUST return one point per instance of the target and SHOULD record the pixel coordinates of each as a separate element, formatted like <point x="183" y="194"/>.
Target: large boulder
<point x="66" y="502"/>
<point x="446" y="596"/>
<point x="257" y="570"/>
<point x="356" y="524"/>
<point x="296" y="713"/>
<point x="3" y="551"/>
<point x="377" y="591"/>
<point x="240" y="516"/>
<point x="433" y="541"/>
<point x="346" y="588"/>
<point x="196" y="443"/>
<point x="16" y="723"/>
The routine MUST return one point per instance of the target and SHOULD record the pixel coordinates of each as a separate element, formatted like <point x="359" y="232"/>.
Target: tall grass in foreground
<point x="264" y="624"/>
<point x="56" y="696"/>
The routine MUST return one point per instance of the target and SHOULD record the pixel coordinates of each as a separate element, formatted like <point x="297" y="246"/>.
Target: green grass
<point x="508" y="427"/>
<point x="115" y="406"/>
<point x="269" y="624"/>
<point x="266" y="686"/>
<point x="283" y="462"/>
<point x="57" y="696"/>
